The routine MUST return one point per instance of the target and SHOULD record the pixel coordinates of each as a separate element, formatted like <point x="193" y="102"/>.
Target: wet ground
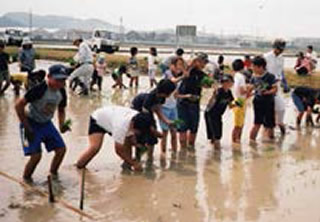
<point x="273" y="181"/>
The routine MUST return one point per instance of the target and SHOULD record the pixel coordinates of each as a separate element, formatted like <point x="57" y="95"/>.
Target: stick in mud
<point x="51" y="196"/>
<point x="82" y="188"/>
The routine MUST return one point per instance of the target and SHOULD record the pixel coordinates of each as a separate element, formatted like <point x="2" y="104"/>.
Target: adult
<point x="26" y="60"/>
<point x="303" y="66"/>
<point x="312" y="56"/>
<point x="275" y="66"/>
<point x="36" y="126"/>
<point x="85" y="69"/>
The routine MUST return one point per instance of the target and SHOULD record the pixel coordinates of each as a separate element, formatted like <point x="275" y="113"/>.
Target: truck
<point x="103" y="41"/>
<point x="13" y="36"/>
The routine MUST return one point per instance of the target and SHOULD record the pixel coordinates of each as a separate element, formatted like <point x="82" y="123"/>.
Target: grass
<point x="113" y="61"/>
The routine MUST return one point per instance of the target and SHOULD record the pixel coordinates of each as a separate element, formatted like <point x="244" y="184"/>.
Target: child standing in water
<point x="153" y="62"/>
<point x="240" y="91"/>
<point x="265" y="87"/>
<point x="220" y="100"/>
<point x="134" y="67"/>
<point x="100" y="71"/>
<point x="175" y="73"/>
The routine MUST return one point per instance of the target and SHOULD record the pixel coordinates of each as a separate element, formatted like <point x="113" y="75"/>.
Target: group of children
<point x="175" y="102"/>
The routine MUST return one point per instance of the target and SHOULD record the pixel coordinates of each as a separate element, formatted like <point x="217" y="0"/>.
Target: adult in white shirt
<point x="275" y="66"/>
<point x="312" y="56"/>
<point x="84" y="58"/>
<point x="124" y="125"/>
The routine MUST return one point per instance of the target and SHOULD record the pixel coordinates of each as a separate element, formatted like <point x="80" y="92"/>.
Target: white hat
<point x="26" y="41"/>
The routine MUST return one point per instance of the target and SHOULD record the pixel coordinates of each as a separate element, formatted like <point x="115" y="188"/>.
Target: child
<point x="153" y="63"/>
<point x="134" y="67"/>
<point x="221" y="98"/>
<point x="304" y="99"/>
<point x="117" y="77"/>
<point x="4" y="68"/>
<point x="124" y="125"/>
<point x="189" y="93"/>
<point x="240" y="92"/>
<point x="169" y="108"/>
<point x="265" y="87"/>
<point x="151" y="103"/>
<point x="36" y="126"/>
<point x="100" y="71"/>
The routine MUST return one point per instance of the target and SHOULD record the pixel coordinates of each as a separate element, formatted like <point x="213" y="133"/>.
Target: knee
<point x="60" y="151"/>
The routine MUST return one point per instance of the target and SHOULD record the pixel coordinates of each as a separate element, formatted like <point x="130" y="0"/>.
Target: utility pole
<point x="30" y="23"/>
<point x="121" y="31"/>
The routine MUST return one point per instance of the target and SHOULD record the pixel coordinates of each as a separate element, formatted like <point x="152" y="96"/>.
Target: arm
<point x="124" y="151"/>
<point x="61" y="119"/>
<point x="271" y="91"/>
<point x="160" y="115"/>
<point x="20" y="110"/>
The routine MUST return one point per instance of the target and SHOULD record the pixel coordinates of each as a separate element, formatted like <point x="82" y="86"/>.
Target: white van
<point x="103" y="41"/>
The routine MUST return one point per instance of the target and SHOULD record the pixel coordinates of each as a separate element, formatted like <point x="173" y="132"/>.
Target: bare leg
<point x="192" y="139"/>
<point x="174" y="143"/>
<point x="31" y="165"/>
<point x="95" y="143"/>
<point x="254" y="132"/>
<point x="183" y="140"/>
<point x="164" y="141"/>
<point x="57" y="160"/>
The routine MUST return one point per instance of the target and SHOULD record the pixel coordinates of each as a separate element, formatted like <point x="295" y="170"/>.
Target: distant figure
<point x="303" y="66"/>
<point x="26" y="59"/>
<point x="4" y="68"/>
<point x="85" y="69"/>
<point x="247" y="68"/>
<point x="133" y="67"/>
<point x="153" y="62"/>
<point x="221" y="63"/>
<point x="100" y="71"/>
<point x="165" y="65"/>
<point x="313" y="56"/>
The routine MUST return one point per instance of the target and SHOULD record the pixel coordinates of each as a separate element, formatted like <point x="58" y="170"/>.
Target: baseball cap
<point x="58" y="72"/>
<point x="202" y="56"/>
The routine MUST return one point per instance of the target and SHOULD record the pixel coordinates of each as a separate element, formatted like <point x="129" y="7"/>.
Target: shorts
<point x="171" y="114"/>
<point x="298" y="103"/>
<point x="4" y="76"/>
<point x="152" y="73"/>
<point x="239" y="114"/>
<point x="214" y="125"/>
<point x="264" y="113"/>
<point x="95" y="128"/>
<point x="43" y="133"/>
<point x="189" y="113"/>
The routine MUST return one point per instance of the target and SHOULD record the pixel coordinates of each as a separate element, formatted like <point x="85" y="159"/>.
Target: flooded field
<point x="278" y="181"/>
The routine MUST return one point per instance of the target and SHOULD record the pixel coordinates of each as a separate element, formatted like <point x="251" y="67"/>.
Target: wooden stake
<point x="51" y="195"/>
<point x="82" y="189"/>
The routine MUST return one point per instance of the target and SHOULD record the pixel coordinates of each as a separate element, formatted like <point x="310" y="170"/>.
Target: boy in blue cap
<point x="35" y="111"/>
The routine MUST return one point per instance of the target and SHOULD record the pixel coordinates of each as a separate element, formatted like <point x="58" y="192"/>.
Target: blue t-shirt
<point x="263" y="83"/>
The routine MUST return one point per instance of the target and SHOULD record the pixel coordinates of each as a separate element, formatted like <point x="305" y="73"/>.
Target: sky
<point x="268" y="18"/>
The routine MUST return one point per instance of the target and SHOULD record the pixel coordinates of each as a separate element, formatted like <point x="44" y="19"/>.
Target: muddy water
<point x="277" y="181"/>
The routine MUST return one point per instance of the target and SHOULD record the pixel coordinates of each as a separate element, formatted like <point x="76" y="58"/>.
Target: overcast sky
<point x="272" y="18"/>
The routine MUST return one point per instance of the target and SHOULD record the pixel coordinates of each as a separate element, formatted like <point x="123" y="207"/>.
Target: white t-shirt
<point x="153" y="62"/>
<point x="84" y="54"/>
<point x="116" y="120"/>
<point x="275" y="64"/>
<point x="239" y="81"/>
